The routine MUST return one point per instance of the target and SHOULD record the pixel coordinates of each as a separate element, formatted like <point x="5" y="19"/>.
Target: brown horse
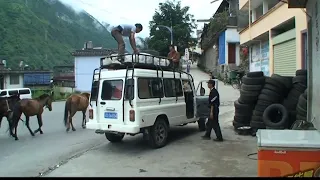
<point x="6" y="106"/>
<point x="30" y="107"/>
<point x="75" y="103"/>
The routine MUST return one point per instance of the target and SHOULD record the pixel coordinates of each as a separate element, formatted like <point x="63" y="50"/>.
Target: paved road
<point x="31" y="155"/>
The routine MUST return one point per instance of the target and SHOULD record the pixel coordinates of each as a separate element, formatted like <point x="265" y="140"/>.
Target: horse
<point x="30" y="107"/>
<point x="75" y="103"/>
<point x="6" y="106"/>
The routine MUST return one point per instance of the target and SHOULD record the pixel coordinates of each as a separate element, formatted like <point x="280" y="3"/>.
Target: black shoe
<point x="205" y="137"/>
<point x="218" y="140"/>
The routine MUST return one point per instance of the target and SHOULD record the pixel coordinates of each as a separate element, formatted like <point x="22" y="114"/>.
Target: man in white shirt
<point x="128" y="31"/>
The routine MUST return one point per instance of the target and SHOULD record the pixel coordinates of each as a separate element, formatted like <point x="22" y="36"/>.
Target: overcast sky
<point x="117" y="12"/>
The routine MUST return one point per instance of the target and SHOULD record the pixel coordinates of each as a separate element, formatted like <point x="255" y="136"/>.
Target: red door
<point x="231" y="53"/>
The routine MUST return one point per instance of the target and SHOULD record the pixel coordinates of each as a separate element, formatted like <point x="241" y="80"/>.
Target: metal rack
<point x="136" y="63"/>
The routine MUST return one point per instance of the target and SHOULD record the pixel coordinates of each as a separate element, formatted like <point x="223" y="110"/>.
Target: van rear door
<point x="110" y="101"/>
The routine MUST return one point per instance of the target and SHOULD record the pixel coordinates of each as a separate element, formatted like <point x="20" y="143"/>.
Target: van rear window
<point x="24" y="91"/>
<point x="13" y="92"/>
<point x="112" y="89"/>
<point x="94" y="91"/>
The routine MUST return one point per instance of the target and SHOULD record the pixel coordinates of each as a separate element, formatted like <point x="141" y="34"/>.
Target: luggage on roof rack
<point x="142" y="60"/>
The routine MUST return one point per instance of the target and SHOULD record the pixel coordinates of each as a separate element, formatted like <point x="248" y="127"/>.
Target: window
<point x="13" y="92"/>
<point x="112" y="90"/>
<point x="14" y="79"/>
<point x="94" y="91"/>
<point x="172" y="87"/>
<point x="187" y="86"/>
<point x="3" y="93"/>
<point x="129" y="89"/>
<point x="150" y="88"/>
<point x="24" y="91"/>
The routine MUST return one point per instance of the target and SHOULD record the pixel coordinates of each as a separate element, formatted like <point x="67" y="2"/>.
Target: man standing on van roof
<point x="213" y="121"/>
<point x="128" y="31"/>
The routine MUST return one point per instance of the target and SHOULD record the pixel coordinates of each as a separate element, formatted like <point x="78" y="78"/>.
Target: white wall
<point x="7" y="84"/>
<point x="83" y="70"/>
<point x="232" y="36"/>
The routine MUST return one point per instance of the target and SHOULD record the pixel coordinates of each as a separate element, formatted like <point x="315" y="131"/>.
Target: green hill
<point x="44" y="32"/>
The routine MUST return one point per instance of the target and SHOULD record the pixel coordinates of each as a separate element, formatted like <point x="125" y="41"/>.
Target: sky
<point x="117" y="12"/>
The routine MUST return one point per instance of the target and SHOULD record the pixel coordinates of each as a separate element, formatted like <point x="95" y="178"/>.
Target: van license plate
<point x="110" y="115"/>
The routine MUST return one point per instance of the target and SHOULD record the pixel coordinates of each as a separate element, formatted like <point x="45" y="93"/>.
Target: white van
<point x="135" y="97"/>
<point x="25" y="93"/>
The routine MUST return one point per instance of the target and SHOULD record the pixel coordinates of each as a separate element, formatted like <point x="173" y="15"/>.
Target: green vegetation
<point x="43" y="33"/>
<point x="171" y="13"/>
<point x="57" y="94"/>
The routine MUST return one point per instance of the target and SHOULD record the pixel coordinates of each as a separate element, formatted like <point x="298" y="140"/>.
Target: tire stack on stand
<point x="275" y="89"/>
<point x="290" y="102"/>
<point x="302" y="107"/>
<point x="251" y="86"/>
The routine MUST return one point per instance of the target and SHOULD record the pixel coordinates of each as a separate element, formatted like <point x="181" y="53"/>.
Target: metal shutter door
<point x="284" y="57"/>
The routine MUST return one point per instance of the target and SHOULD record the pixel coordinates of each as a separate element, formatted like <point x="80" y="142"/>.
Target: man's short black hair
<point x="138" y="25"/>
<point x="212" y="82"/>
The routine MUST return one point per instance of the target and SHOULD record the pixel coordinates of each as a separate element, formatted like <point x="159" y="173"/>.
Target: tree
<point x="171" y="14"/>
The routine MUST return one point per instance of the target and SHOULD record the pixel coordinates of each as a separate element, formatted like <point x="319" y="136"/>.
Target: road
<point x="84" y="153"/>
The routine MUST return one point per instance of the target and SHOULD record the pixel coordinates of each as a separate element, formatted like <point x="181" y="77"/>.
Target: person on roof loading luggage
<point x="128" y="31"/>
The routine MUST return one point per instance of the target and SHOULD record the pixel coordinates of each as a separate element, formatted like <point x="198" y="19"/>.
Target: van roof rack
<point x="142" y="61"/>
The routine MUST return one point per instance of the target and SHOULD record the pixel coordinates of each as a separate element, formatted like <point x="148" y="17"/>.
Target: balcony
<point x="274" y="17"/>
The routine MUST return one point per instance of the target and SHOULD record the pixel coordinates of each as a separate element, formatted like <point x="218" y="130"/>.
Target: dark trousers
<point x="214" y="124"/>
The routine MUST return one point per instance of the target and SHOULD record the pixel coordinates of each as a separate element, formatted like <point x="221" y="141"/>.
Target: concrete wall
<point x="313" y="7"/>
<point x="83" y="70"/>
<point x="209" y="59"/>
<point x="7" y="84"/>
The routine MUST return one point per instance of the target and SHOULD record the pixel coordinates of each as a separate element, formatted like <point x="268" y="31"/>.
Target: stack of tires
<point x="251" y="86"/>
<point x="299" y="86"/>
<point x="276" y="117"/>
<point x="302" y="107"/>
<point x="275" y="89"/>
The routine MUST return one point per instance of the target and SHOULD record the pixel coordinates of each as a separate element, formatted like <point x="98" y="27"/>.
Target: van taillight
<point x="132" y="115"/>
<point x="90" y="113"/>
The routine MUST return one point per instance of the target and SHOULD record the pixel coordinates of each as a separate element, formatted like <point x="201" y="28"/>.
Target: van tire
<point x="153" y="139"/>
<point x="114" y="138"/>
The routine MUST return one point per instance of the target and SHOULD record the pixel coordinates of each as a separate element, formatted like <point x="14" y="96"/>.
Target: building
<point x="221" y="47"/>
<point x="10" y="79"/>
<point x="276" y="36"/>
<point x="313" y="65"/>
<point x="85" y="62"/>
<point x="63" y="78"/>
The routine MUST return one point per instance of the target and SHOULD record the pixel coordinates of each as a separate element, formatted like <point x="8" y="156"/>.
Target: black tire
<point x="246" y="87"/>
<point x="257" y="113"/>
<point x="290" y="103"/>
<point x="114" y="138"/>
<point x="270" y="93"/>
<point x="243" y="119"/>
<point x="284" y="80"/>
<point x="273" y="99"/>
<point x="249" y="93"/>
<point x="299" y="117"/>
<point x="253" y="81"/>
<point x="154" y="139"/>
<point x="273" y="88"/>
<point x="305" y="94"/>
<point x="243" y="112"/>
<point x="257" y="119"/>
<point x="301" y="72"/>
<point x="237" y="104"/>
<point x="300" y="79"/>
<point x="261" y="108"/>
<point x="275" y="83"/>
<point x="300" y="87"/>
<point x="255" y="74"/>
<point x="257" y="125"/>
<point x="247" y="99"/>
<point x="302" y="102"/>
<point x="272" y="118"/>
<point x="301" y="111"/>
<point x="236" y="124"/>
<point x="263" y="103"/>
